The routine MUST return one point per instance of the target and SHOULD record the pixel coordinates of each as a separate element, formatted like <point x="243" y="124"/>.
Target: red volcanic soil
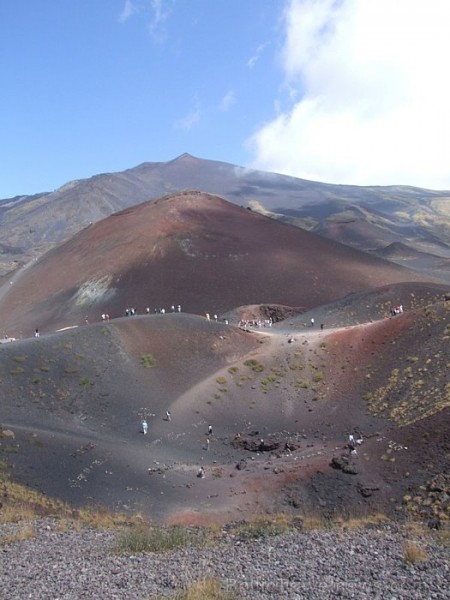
<point x="192" y="249"/>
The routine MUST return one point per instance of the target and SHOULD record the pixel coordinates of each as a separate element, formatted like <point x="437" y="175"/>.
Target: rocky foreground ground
<point x="57" y="562"/>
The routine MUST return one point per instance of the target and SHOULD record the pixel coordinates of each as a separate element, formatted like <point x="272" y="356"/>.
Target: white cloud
<point x="162" y="9"/>
<point x="366" y="94"/>
<point x="128" y="10"/>
<point x="254" y="59"/>
<point x="227" y="101"/>
<point x="188" y="122"/>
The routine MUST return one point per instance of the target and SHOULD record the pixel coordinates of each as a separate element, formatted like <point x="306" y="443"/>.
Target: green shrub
<point x="301" y="383"/>
<point x="158" y="539"/>
<point x="17" y="371"/>
<point x="262" y="528"/>
<point x="269" y="379"/>
<point x="254" y="365"/>
<point x="148" y="360"/>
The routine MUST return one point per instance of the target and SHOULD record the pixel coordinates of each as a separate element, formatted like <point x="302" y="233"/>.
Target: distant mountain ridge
<point x="367" y="218"/>
<point x="189" y="248"/>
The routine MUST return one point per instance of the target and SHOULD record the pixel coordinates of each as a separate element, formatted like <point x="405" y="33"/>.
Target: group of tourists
<point x="256" y="323"/>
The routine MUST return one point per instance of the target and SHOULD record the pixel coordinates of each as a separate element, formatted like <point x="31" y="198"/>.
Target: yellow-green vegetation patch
<point x="301" y="383"/>
<point x="296" y="366"/>
<point x="441" y="205"/>
<point x="279" y="371"/>
<point x="3" y="474"/>
<point x="269" y="379"/>
<point x="408" y="372"/>
<point x="21" y="503"/>
<point x="430" y="311"/>
<point x="233" y="370"/>
<point x="142" y="538"/>
<point x="346" y="216"/>
<point x="7" y="433"/>
<point x="262" y="528"/>
<point x="409" y="394"/>
<point x="414" y="553"/>
<point x="25" y="532"/>
<point x="17" y="371"/>
<point x="221" y="380"/>
<point x="243" y="378"/>
<point x="253" y="364"/>
<point x="19" y="359"/>
<point x="412" y="359"/>
<point x="206" y="589"/>
<point x="148" y="360"/>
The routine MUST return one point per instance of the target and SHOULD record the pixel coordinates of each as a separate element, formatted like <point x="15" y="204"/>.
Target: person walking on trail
<point x="312" y="321"/>
<point x="168" y="415"/>
<point x="209" y="429"/>
<point x="144" y="427"/>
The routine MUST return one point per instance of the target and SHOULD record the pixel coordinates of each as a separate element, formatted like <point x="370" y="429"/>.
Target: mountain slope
<point x="193" y="249"/>
<point x="281" y="401"/>
<point x="362" y="217"/>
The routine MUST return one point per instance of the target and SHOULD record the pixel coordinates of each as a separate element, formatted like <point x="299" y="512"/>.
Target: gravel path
<point x="363" y="564"/>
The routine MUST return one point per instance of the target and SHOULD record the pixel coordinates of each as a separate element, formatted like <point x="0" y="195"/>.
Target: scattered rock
<point x="440" y="483"/>
<point x="344" y="463"/>
<point x="367" y="491"/>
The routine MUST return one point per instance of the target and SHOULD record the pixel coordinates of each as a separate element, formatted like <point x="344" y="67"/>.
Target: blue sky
<point x="344" y="91"/>
<point x="90" y="86"/>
